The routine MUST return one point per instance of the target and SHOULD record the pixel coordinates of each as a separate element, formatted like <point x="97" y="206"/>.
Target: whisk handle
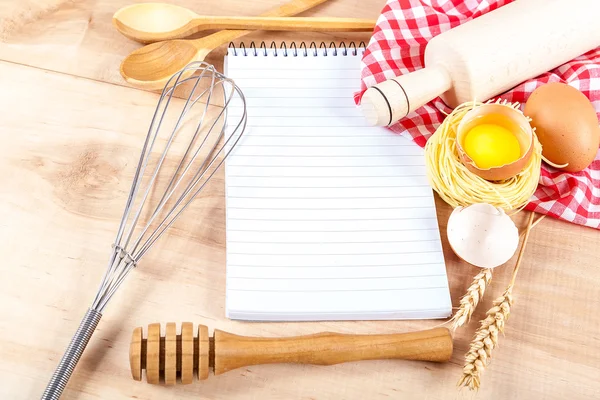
<point x="72" y="355"/>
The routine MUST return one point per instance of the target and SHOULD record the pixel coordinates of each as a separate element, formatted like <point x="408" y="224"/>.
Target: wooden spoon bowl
<point x="151" y="66"/>
<point x="151" y="22"/>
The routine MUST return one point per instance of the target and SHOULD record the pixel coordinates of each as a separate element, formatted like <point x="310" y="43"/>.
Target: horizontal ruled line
<point x="315" y="313"/>
<point x="353" y="87"/>
<point x="327" y="136"/>
<point x="321" y="156"/>
<point x="337" y="231"/>
<point x="334" y="146"/>
<point x="308" y="126"/>
<point x="337" y="219"/>
<point x="298" y="97"/>
<point x="338" y="254"/>
<point x="314" y="177"/>
<point x="325" y="209"/>
<point x="303" y="106"/>
<point x="341" y="279"/>
<point x="261" y="68"/>
<point x="341" y="242"/>
<point x="327" y="198"/>
<point x="314" y="116"/>
<point x="334" y="290"/>
<point x="323" y="166"/>
<point x="337" y="266"/>
<point x="311" y="78"/>
<point x="328" y="187"/>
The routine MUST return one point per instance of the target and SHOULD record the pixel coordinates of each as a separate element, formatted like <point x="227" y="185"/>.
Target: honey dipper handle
<point x="234" y="351"/>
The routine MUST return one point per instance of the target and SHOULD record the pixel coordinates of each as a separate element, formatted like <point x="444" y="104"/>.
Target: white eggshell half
<point x="482" y="235"/>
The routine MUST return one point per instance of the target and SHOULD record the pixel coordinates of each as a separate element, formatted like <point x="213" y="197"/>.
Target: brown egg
<point x="566" y="125"/>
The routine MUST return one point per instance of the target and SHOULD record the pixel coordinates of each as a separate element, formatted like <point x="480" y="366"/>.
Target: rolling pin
<point x="184" y="355"/>
<point x="488" y="55"/>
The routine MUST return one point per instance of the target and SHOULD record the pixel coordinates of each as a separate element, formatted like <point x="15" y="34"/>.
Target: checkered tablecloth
<point x="397" y="47"/>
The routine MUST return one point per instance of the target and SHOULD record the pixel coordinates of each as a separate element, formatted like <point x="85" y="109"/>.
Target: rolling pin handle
<point x="390" y="101"/>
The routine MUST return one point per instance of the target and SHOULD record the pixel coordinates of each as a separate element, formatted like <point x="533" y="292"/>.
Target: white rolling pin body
<point x="489" y="55"/>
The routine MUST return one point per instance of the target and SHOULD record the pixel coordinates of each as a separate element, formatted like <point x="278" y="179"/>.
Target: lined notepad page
<point x="327" y="217"/>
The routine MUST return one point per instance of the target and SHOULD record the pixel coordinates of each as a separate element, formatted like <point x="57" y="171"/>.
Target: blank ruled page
<point x="327" y="217"/>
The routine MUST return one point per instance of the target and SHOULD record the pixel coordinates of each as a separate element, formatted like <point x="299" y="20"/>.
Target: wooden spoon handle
<point x="286" y="24"/>
<point x="292" y="8"/>
<point x="172" y="355"/>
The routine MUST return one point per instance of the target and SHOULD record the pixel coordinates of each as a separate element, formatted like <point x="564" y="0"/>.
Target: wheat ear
<point x="486" y="336"/>
<point x="469" y="301"/>
<point x="475" y="292"/>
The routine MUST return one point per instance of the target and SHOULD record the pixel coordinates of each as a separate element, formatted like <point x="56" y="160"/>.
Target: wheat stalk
<point x="486" y="336"/>
<point x="475" y="292"/>
<point x="486" y="339"/>
<point x="469" y="301"/>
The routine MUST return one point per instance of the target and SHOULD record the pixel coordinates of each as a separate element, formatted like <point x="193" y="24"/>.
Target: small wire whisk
<point x="189" y="138"/>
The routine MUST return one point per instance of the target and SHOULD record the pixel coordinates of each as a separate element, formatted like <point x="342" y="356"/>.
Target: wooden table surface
<point x="71" y="131"/>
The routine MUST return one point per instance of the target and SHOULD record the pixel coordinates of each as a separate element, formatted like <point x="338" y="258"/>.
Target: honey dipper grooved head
<point x="171" y="357"/>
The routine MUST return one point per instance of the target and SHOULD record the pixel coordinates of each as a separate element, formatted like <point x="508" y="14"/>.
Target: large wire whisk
<point x="200" y="138"/>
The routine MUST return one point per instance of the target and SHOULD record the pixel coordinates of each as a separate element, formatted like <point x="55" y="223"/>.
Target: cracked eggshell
<point x="482" y="235"/>
<point x="509" y="118"/>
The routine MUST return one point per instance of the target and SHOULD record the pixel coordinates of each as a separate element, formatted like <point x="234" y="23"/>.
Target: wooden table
<point x="71" y="131"/>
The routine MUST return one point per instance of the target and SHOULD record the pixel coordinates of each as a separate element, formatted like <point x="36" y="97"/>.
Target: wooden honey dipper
<point x="183" y="355"/>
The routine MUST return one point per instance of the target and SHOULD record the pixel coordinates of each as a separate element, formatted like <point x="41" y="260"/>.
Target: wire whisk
<point x="189" y="138"/>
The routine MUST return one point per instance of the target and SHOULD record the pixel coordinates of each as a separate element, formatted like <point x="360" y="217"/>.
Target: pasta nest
<point x="458" y="186"/>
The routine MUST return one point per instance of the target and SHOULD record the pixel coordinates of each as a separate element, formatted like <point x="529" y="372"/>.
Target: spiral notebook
<point x="327" y="217"/>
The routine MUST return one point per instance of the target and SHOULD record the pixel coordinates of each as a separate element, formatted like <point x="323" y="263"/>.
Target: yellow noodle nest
<point x="457" y="186"/>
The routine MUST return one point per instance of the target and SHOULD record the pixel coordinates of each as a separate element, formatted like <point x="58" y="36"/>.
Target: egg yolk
<point x="490" y="145"/>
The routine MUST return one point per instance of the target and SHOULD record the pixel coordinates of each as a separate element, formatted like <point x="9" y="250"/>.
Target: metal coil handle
<point x="72" y="355"/>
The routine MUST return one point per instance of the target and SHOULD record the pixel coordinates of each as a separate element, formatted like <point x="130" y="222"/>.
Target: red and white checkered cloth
<point x="397" y="47"/>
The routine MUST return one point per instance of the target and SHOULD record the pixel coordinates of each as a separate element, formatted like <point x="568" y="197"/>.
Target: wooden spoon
<point x="151" y="66"/>
<point x="156" y="22"/>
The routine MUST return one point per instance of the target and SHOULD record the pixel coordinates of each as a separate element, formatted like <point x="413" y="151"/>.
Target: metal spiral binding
<point x="294" y="50"/>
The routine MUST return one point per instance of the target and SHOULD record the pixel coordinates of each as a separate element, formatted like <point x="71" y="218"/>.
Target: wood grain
<point x="78" y="38"/>
<point x="203" y="352"/>
<point x="170" y="354"/>
<point x="187" y="349"/>
<point x="153" y="357"/>
<point x="68" y="154"/>
<point x="328" y="348"/>
<point x="135" y="354"/>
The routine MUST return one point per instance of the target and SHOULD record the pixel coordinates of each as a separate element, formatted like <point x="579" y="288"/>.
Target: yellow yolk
<point x="490" y="145"/>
